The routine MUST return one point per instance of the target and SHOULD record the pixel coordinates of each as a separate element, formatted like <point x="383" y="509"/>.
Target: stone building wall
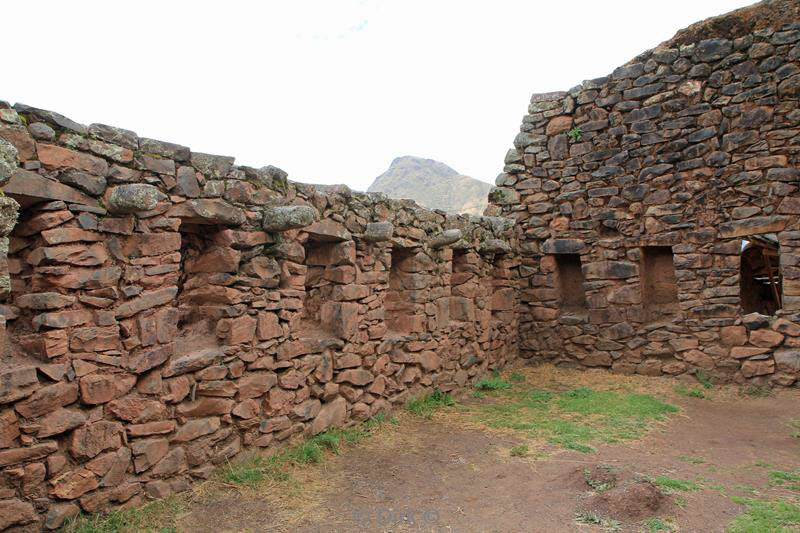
<point x="165" y="309"/>
<point x="651" y="204"/>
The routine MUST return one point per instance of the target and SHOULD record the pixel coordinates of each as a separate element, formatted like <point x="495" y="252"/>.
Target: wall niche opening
<point x="569" y="282"/>
<point x="318" y="289"/>
<point x="760" y="280"/>
<point x="659" y="283"/>
<point x="398" y="303"/>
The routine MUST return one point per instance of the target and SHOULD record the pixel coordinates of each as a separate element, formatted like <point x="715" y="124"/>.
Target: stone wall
<point x="673" y="183"/>
<point x="165" y="309"/>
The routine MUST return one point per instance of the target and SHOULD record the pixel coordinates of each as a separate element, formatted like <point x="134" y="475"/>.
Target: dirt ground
<point x="447" y="474"/>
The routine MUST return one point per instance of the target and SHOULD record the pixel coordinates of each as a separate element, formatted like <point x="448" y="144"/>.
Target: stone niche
<point x="318" y="286"/>
<point x="658" y="282"/>
<point x="407" y="286"/>
<point x="569" y="282"/>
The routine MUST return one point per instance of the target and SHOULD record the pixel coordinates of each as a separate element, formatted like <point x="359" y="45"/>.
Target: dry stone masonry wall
<point x="658" y="210"/>
<point x="164" y="309"/>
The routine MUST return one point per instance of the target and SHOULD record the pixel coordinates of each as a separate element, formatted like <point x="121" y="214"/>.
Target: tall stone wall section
<point x="652" y="181"/>
<point x="165" y="309"/>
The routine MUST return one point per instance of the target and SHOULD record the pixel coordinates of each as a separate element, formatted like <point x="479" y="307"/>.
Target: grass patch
<point x="755" y="391"/>
<point x="516" y="377"/>
<point x="495" y="383"/>
<point x="520" y="451"/>
<point x="425" y="406"/>
<point x="794" y="427"/>
<point x="161" y="516"/>
<point x="155" y="517"/>
<point x="659" y="524"/>
<point x="703" y="378"/>
<point x="671" y="486"/>
<point x="609" y="524"/>
<point x="683" y="390"/>
<point x="786" y="480"/>
<point x="573" y="419"/>
<point x="692" y="460"/>
<point x="762" y="516"/>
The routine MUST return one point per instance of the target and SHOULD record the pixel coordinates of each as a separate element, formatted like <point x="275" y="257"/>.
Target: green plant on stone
<point x="576" y="134"/>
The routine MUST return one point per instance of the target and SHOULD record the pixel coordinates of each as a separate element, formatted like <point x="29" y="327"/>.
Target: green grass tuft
<point x="608" y="524"/>
<point x="692" y="460"/>
<point x="703" y="378"/>
<point x="766" y="516"/>
<point x="520" y="451"/>
<point x="492" y="384"/>
<point x="786" y="480"/>
<point x="425" y="406"/>
<point x="659" y="524"/>
<point x="670" y="486"/>
<point x="516" y="377"/>
<point x="691" y="393"/>
<point x="755" y="391"/>
<point x="155" y="517"/>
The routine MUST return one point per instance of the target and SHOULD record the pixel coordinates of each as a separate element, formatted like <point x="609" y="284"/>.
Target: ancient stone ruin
<point x="658" y="212"/>
<point x="165" y="309"/>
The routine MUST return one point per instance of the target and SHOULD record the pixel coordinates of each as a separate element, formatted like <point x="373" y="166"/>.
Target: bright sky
<point x="329" y="90"/>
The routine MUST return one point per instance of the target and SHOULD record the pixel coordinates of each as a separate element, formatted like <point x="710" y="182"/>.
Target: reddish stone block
<point x="89" y="441"/>
<point x="48" y="399"/>
<point x="138" y="410"/>
<point x="42" y="221"/>
<point x="59" y="157"/>
<point x="102" y="388"/>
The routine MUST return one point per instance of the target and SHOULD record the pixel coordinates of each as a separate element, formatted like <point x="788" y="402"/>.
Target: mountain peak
<point x="432" y="184"/>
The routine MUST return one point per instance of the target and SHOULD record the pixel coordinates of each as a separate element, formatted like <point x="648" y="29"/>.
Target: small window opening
<point x="760" y="280"/>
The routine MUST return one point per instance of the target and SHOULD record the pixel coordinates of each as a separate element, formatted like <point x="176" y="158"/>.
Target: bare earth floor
<point x="450" y="473"/>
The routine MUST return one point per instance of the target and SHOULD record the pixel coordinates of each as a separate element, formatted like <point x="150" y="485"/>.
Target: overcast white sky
<point x="329" y="90"/>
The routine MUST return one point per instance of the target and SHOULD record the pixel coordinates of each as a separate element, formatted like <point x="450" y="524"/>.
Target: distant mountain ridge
<point x="432" y="184"/>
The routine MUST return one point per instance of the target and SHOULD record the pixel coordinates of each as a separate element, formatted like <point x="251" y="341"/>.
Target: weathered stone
<point x="146" y="300"/>
<point x="15" y="512"/>
<point x="132" y="198"/>
<point x="73" y="484"/>
<point x="102" y="388"/>
<point x="192" y="362"/>
<point x="89" y="441"/>
<point x="48" y="399"/>
<point x="378" y="231"/>
<point x="445" y="238"/>
<point x="60" y="421"/>
<point x="284" y="218"/>
<point x="208" y="211"/>
<point x="17" y="383"/>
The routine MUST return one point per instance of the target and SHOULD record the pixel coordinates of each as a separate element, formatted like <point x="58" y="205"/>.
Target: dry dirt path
<point x="443" y="475"/>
